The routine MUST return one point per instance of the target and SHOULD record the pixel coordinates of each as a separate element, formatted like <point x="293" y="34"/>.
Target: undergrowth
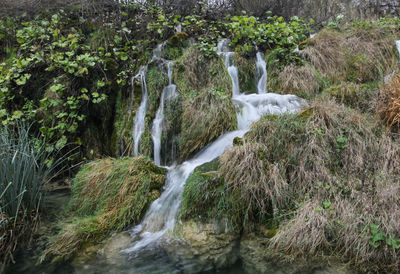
<point x="352" y="53"/>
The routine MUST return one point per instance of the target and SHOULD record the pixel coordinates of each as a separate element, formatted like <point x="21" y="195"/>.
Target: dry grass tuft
<point x="354" y="54"/>
<point x="107" y="196"/>
<point x="255" y="182"/>
<point x="389" y="107"/>
<point x="327" y="55"/>
<point x="204" y="119"/>
<point x="301" y="81"/>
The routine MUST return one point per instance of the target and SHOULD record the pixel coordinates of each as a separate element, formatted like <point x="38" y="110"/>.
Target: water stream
<point x="261" y="73"/>
<point x="138" y="121"/>
<point x="223" y="50"/>
<point x="398" y="45"/>
<point x="168" y="93"/>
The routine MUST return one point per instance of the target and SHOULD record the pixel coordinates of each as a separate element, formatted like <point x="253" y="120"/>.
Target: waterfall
<point x="223" y="50"/>
<point x="398" y="45"/>
<point x="168" y="93"/>
<point x="162" y="215"/>
<point x="261" y="73"/>
<point x="138" y="128"/>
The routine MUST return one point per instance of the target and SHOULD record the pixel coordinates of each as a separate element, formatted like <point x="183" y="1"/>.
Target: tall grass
<point x="25" y="166"/>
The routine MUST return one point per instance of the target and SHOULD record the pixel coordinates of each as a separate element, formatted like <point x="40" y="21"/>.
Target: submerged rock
<point x="199" y="247"/>
<point x="112" y="248"/>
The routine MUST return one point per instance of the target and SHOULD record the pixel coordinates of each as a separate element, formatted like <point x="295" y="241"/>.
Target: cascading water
<point x="138" y="128"/>
<point x="261" y="73"/>
<point x="398" y="45"/>
<point x="163" y="212"/>
<point x="139" y="120"/>
<point x="167" y="94"/>
<point x="223" y="50"/>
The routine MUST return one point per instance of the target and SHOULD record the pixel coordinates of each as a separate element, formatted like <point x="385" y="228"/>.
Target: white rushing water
<point x="138" y="121"/>
<point x="168" y="93"/>
<point x="162" y="215"/>
<point x="398" y="45"/>
<point x="223" y="50"/>
<point x="261" y="73"/>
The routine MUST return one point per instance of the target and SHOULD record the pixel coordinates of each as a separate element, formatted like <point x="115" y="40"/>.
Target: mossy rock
<point x="125" y="109"/>
<point x="107" y="196"/>
<point x="247" y="70"/>
<point x="201" y="192"/>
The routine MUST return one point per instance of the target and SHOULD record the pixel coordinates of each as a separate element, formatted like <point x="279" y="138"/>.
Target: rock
<point x="112" y="249"/>
<point x="199" y="247"/>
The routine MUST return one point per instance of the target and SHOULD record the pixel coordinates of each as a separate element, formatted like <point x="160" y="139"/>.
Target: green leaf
<point x="17" y="114"/>
<point x="61" y="142"/>
<point x="100" y="84"/>
<point x="327" y="204"/>
<point x="3" y="113"/>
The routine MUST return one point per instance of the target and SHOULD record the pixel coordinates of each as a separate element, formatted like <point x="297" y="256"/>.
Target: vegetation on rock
<point x="107" y="196"/>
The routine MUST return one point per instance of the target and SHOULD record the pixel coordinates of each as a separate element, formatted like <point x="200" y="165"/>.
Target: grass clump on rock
<point x="206" y="89"/>
<point x="328" y="176"/>
<point x="107" y="196"/>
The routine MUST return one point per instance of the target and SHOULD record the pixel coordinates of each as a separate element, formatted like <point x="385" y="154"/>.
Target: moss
<point x="201" y="193"/>
<point x="246" y="69"/>
<point x="125" y="109"/>
<point x="146" y="141"/>
<point x="173" y="127"/>
<point x="107" y="196"/>
<point x="175" y="46"/>
<point x="156" y="81"/>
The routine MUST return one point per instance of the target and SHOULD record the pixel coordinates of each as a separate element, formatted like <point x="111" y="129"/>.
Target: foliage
<point x="107" y="196"/>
